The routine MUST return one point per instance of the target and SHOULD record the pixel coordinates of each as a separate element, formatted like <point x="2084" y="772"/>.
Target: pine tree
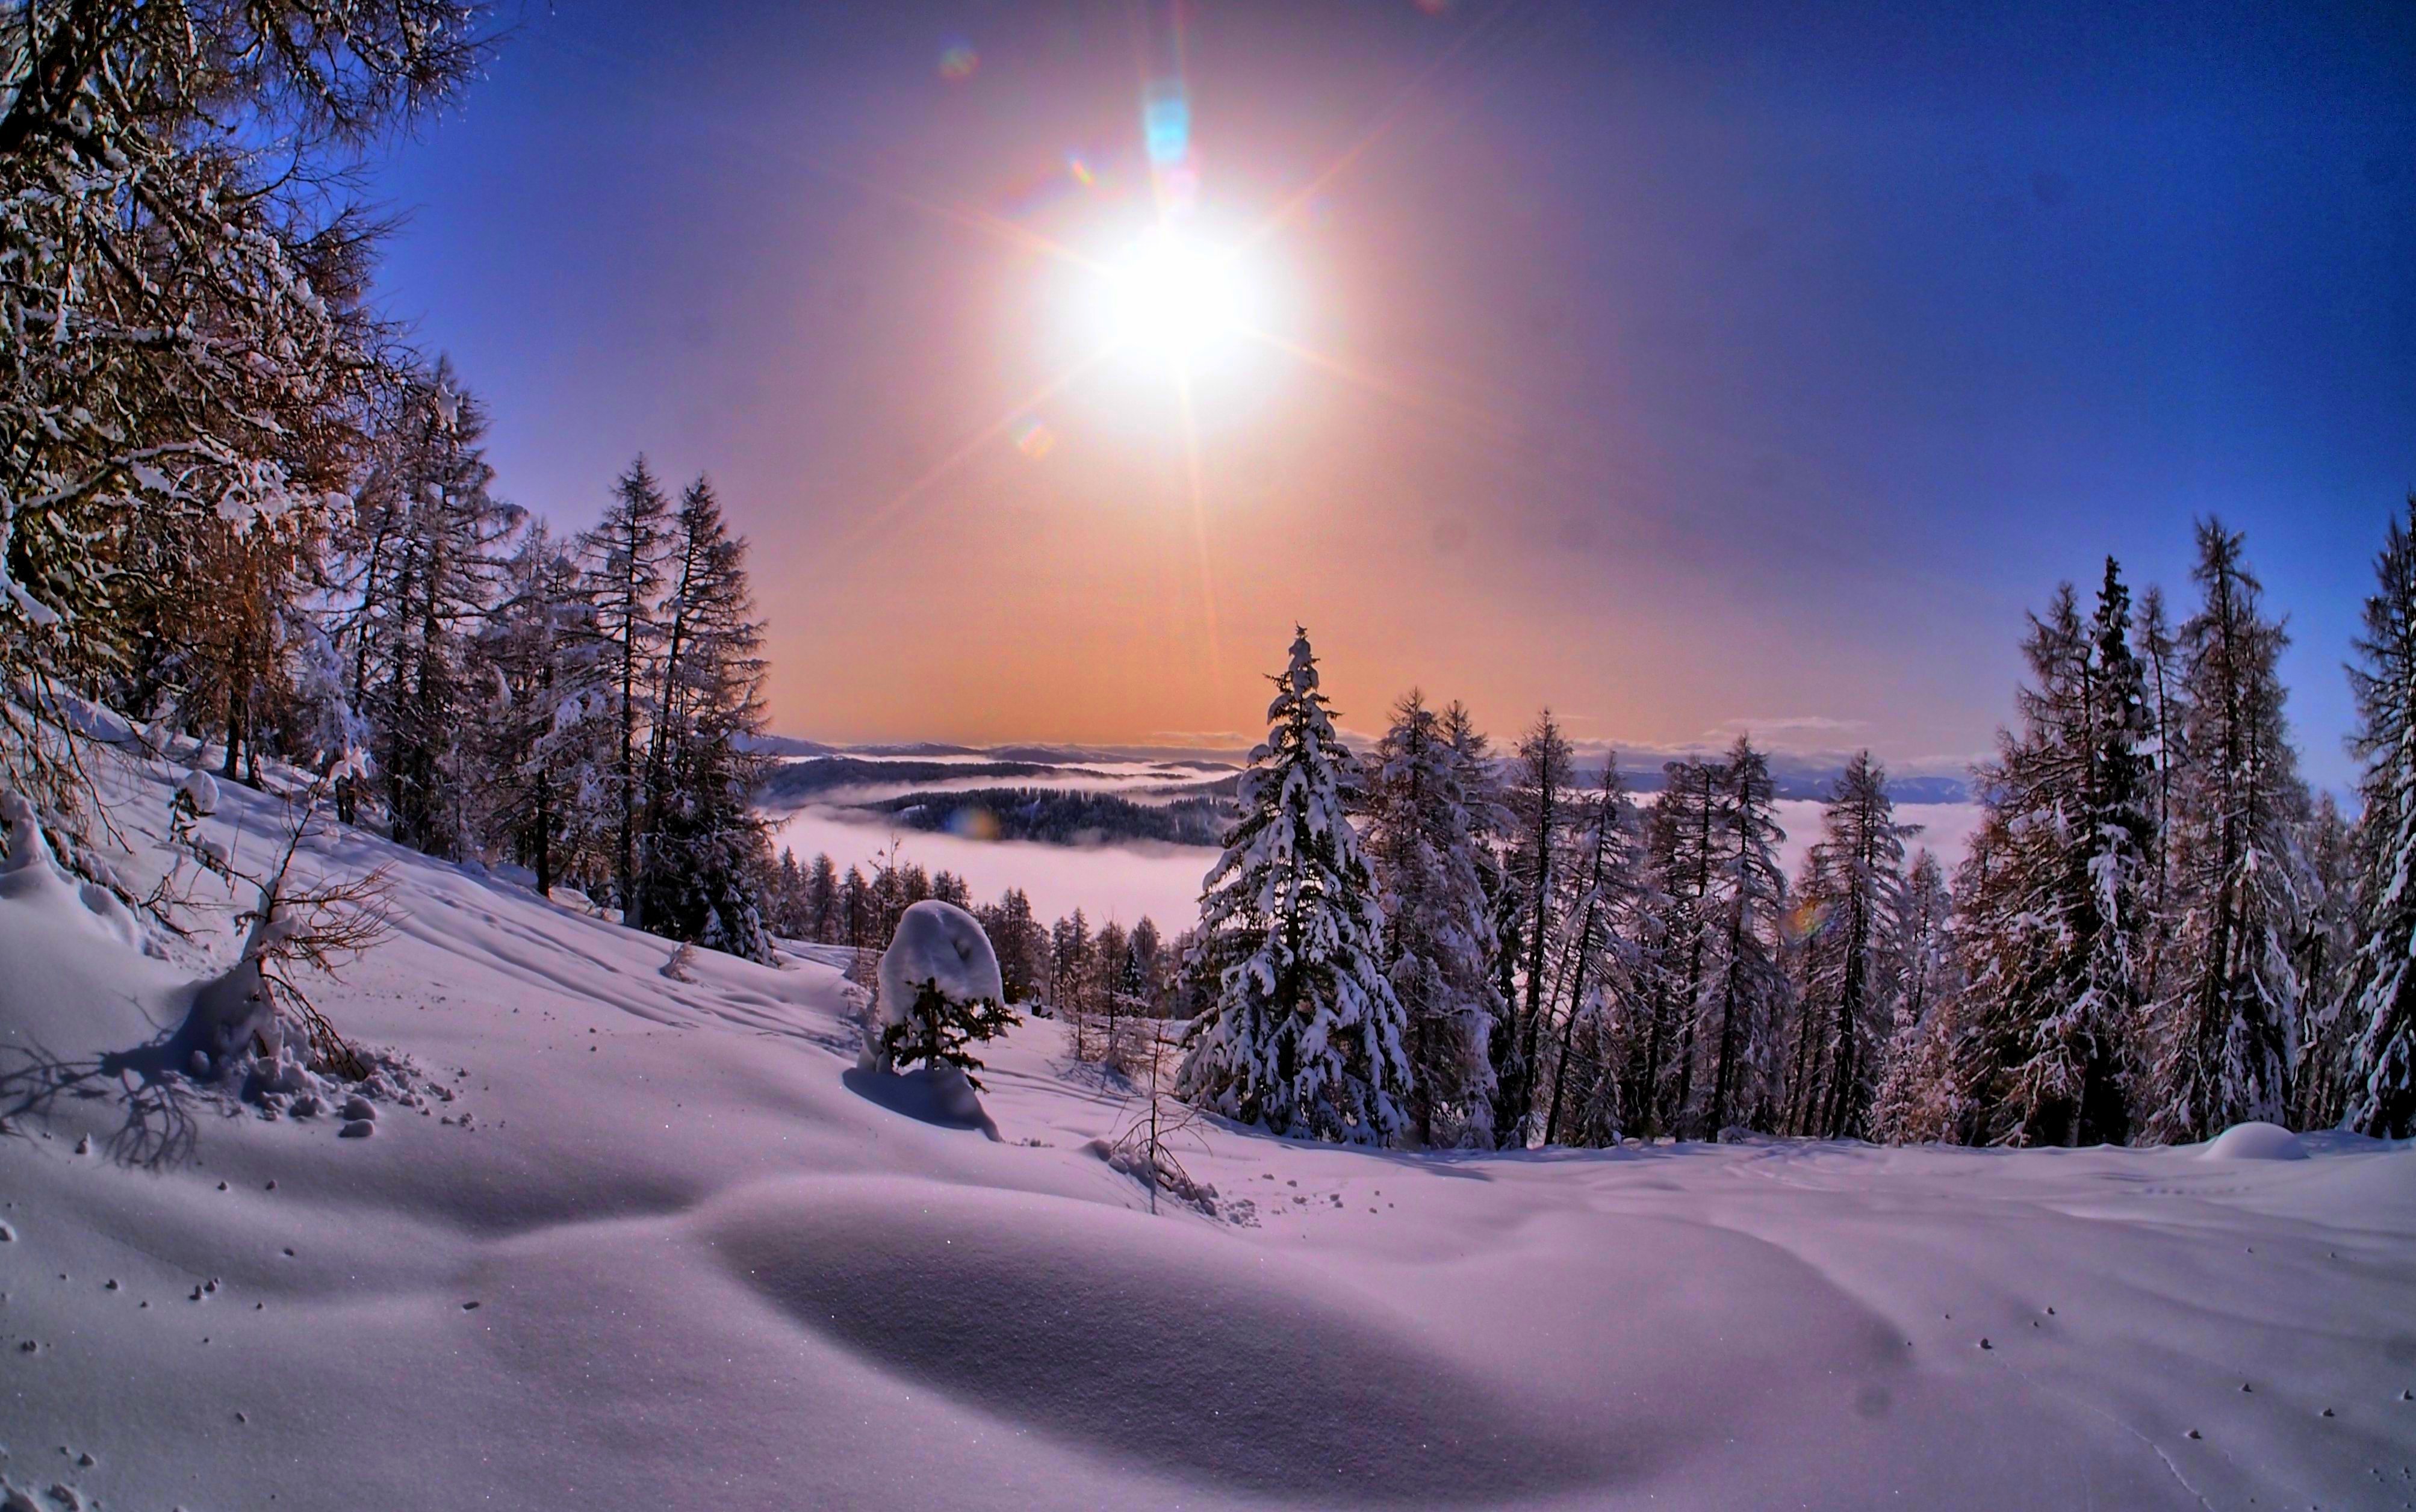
<point x="2380" y="1000"/>
<point x="1538" y="801"/>
<point x="1854" y="891"/>
<point x="2324" y="958"/>
<point x="1304" y="1036"/>
<point x="2223" y="1044"/>
<point x="1438" y="940"/>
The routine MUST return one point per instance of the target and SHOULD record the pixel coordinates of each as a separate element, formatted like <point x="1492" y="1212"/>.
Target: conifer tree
<point x="1682" y="841"/>
<point x="1538" y="801"/>
<point x="1438" y="940"/>
<point x="1598" y="964"/>
<point x="1304" y="1036"/>
<point x="1915" y="1099"/>
<point x="1854" y="890"/>
<point x="2380" y="998"/>
<point x="704" y="849"/>
<point x="2060" y="925"/>
<point x="624" y="578"/>
<point x="1745" y="992"/>
<point x="2223" y="1049"/>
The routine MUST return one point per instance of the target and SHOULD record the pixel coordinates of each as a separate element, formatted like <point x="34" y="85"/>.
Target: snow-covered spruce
<point x="1304" y="1036"/>
<point x="940" y="993"/>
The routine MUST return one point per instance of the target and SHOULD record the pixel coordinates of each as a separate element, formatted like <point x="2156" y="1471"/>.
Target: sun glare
<point x="1176" y="298"/>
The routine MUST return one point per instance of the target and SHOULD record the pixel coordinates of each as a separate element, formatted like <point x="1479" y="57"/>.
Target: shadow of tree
<point x="162" y="1106"/>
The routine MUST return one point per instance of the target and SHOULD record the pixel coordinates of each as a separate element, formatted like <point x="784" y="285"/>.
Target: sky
<point x="1687" y="368"/>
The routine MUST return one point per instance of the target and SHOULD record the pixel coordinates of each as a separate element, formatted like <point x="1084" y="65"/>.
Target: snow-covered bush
<point x="940" y="991"/>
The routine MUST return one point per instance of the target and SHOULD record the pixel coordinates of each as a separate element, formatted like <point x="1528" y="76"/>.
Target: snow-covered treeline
<point x="237" y="506"/>
<point x="2158" y="931"/>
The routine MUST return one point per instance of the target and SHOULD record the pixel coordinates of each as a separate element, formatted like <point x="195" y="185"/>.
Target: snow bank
<point x="646" y="1248"/>
<point x="2255" y="1142"/>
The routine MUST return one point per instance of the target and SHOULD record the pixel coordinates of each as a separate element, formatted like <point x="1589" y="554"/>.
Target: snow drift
<point x="635" y="1245"/>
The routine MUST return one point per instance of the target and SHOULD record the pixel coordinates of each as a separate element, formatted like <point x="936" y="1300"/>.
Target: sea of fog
<point x="1124" y="882"/>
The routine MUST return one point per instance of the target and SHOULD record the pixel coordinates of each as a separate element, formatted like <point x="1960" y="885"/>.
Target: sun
<point x="1176" y="298"/>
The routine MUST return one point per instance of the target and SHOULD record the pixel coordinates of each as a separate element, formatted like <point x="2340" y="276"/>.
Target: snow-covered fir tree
<point x="2379" y="1009"/>
<point x="2325" y="960"/>
<point x="2222" y="1043"/>
<point x="1438" y="940"/>
<point x="1853" y="896"/>
<point x="1304" y="1036"/>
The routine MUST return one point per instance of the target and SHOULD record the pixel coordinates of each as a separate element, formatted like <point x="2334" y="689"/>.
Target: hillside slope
<point x="660" y="1247"/>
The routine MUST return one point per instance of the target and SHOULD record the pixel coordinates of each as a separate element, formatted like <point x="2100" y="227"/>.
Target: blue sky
<point x="1680" y="366"/>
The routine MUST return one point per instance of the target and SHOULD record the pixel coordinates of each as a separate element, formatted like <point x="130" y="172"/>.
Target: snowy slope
<point x="681" y="1254"/>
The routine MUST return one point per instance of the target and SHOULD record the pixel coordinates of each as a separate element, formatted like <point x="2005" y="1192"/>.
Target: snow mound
<point x="2255" y="1142"/>
<point x="1178" y="1349"/>
<point x="936" y="943"/>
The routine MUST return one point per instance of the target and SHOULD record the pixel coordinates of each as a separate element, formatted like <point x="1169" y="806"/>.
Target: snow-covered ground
<point x="664" y="1247"/>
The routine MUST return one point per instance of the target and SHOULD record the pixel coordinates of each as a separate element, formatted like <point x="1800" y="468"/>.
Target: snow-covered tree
<point x="702" y="852"/>
<point x="1537" y="799"/>
<point x="2222" y="1048"/>
<point x="1916" y="1097"/>
<point x="624" y="578"/>
<point x="2326" y="958"/>
<point x="1595" y="980"/>
<point x="1304" y="1036"/>
<point x="2380" y="1000"/>
<point x="1744" y="992"/>
<point x="1853" y="896"/>
<point x="2057" y="931"/>
<point x="1439" y="940"/>
<point x="1682" y="834"/>
<point x="186" y="342"/>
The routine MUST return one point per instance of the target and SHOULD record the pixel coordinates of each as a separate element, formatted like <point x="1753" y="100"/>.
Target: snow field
<point x="655" y="1252"/>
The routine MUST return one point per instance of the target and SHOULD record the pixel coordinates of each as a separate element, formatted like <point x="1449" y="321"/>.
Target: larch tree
<point x="1745" y="992"/>
<point x="1916" y="1097"/>
<point x="1304" y="1036"/>
<point x="704" y="849"/>
<point x="2222" y="1039"/>
<point x="1596" y="975"/>
<point x="2379" y="1097"/>
<point x="2059" y="925"/>
<point x="1854" y="893"/>
<point x="1438" y="940"/>
<point x="1538" y="804"/>
<point x="623" y="578"/>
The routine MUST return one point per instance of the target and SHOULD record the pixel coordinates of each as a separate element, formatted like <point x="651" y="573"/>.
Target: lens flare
<point x="1031" y="438"/>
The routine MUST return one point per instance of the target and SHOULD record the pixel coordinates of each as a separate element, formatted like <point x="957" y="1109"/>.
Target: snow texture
<point x="647" y="1248"/>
